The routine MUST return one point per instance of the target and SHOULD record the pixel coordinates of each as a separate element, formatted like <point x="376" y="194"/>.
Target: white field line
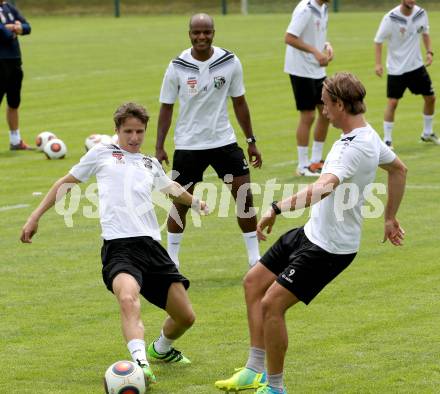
<point x="11" y="207"/>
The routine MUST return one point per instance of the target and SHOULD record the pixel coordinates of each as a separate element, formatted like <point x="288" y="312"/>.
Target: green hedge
<point x="46" y="7"/>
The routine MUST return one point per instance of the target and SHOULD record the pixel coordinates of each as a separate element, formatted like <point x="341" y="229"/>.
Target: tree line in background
<point x="83" y="7"/>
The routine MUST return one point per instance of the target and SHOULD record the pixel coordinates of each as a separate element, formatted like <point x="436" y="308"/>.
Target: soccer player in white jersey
<point x="402" y="27"/>
<point x="307" y="55"/>
<point x="133" y="260"/>
<point x="304" y="260"/>
<point x="202" y="78"/>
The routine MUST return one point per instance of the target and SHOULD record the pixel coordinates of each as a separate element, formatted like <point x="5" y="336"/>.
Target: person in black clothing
<point x="12" y="24"/>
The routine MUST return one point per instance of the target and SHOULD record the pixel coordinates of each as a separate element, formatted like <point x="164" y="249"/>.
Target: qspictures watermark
<point x="220" y="200"/>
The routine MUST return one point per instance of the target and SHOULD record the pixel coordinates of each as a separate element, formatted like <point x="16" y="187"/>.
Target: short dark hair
<point x="347" y="88"/>
<point x="130" y="110"/>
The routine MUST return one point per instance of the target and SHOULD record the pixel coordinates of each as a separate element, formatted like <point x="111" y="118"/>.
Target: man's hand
<point x="254" y="156"/>
<point x="379" y="70"/>
<point x="18" y="28"/>
<point x="161" y="155"/>
<point x="29" y="230"/>
<point x="267" y="220"/>
<point x="322" y="58"/>
<point x="429" y="59"/>
<point x="329" y="51"/>
<point x="393" y="232"/>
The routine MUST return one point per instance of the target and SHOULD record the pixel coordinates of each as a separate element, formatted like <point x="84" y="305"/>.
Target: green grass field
<point x="373" y="330"/>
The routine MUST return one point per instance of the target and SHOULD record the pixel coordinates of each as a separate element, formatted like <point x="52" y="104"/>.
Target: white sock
<point x="256" y="359"/>
<point x="173" y="246"/>
<point x="275" y="381"/>
<point x="427" y="124"/>
<point x="14" y="136"/>
<point x="303" y="156"/>
<point x="317" y="148"/>
<point x="252" y="247"/>
<point x="388" y="130"/>
<point x="136" y="347"/>
<point x="162" y="344"/>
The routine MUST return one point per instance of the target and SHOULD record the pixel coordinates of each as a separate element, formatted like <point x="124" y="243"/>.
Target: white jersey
<point x="309" y="22"/>
<point x="202" y="89"/>
<point x="125" y="184"/>
<point x="403" y="35"/>
<point x="354" y="160"/>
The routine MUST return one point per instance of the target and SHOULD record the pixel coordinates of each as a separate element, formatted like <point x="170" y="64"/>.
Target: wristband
<point x="275" y="208"/>
<point x="195" y="204"/>
<point x="430" y="53"/>
<point x="251" y="140"/>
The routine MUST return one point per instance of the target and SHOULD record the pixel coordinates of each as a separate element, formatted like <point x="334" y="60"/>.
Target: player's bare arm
<point x="179" y="194"/>
<point x="31" y="226"/>
<point x="378" y="57"/>
<point x="396" y="188"/>
<point x="163" y="126"/>
<point x="306" y="197"/>
<point x="242" y="113"/>
<point x="298" y="43"/>
<point x="429" y="53"/>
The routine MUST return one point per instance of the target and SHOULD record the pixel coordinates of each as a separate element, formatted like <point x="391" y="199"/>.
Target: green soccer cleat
<point x="243" y="379"/>
<point x="270" y="390"/>
<point x="148" y="374"/>
<point x="172" y="356"/>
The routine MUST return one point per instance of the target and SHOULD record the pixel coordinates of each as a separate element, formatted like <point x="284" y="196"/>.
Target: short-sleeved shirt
<point x="125" y="184"/>
<point x="309" y="22"/>
<point x="202" y="89"/>
<point x="403" y="35"/>
<point x="354" y="159"/>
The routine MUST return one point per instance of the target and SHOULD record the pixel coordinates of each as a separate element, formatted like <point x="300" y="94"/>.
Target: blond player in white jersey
<point x="307" y="55"/>
<point x="402" y="27"/>
<point x="304" y="260"/>
<point x="201" y="79"/>
<point x="133" y="261"/>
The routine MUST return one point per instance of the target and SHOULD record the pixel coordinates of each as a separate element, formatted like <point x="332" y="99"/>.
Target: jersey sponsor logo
<point x="318" y="24"/>
<point x="119" y="156"/>
<point x="148" y="163"/>
<point x="219" y="82"/>
<point x="191" y="83"/>
<point x="402" y="31"/>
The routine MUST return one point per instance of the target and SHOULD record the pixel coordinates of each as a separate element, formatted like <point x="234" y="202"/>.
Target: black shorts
<point x="11" y="76"/>
<point x="302" y="267"/>
<point x="191" y="164"/>
<point x="307" y="92"/>
<point x="417" y="81"/>
<point x="147" y="261"/>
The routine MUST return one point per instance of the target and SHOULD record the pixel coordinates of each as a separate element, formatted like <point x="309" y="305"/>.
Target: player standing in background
<point x="133" y="261"/>
<point x="307" y="55"/>
<point x="402" y="27"/>
<point x="202" y="78"/>
<point x="304" y="260"/>
<point x="12" y="24"/>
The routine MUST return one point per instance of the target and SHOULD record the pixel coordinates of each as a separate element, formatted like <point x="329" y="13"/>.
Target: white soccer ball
<point x="55" y="149"/>
<point x="92" y="140"/>
<point x="43" y="138"/>
<point x="106" y="139"/>
<point x="124" y="377"/>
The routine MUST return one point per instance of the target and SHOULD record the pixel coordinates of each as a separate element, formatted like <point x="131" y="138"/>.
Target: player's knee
<point x="251" y="283"/>
<point x="187" y="320"/>
<point x="393" y="103"/>
<point x="128" y="302"/>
